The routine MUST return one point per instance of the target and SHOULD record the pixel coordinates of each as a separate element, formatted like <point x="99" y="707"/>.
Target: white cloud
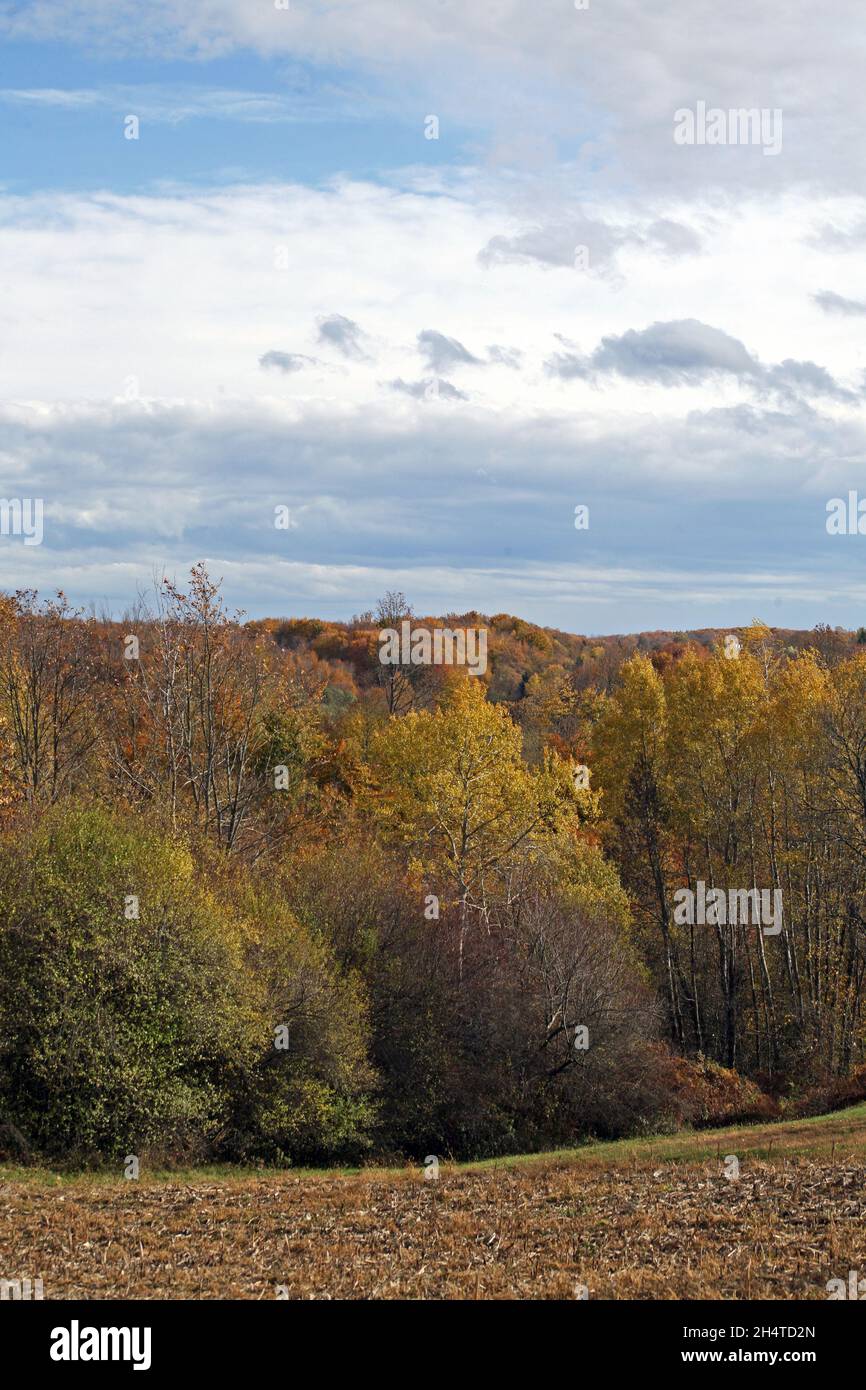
<point x="167" y="104"/>
<point x="607" y="78"/>
<point x="134" y="403"/>
<point x="182" y="294"/>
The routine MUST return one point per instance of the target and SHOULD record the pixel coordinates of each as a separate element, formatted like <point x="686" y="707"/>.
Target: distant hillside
<point x="346" y="655"/>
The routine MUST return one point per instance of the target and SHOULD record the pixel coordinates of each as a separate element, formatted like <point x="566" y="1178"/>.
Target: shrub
<point x="152" y="1034"/>
<point x="309" y="1100"/>
<point x="834" y="1093"/>
<point x="703" y="1094"/>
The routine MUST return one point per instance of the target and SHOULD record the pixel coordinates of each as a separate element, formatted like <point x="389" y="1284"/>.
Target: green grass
<point x="113" y="1177"/>
<point x="842" y="1132"/>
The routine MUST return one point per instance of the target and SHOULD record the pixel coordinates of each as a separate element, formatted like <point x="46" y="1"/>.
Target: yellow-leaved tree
<point x="451" y="786"/>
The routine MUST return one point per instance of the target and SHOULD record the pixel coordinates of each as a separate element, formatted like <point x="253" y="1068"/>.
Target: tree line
<point x="251" y="911"/>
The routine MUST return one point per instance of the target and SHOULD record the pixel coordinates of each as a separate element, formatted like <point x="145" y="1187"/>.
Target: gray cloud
<point x="286" y="361"/>
<point x="833" y="303"/>
<point x="589" y="242"/>
<point x="806" y="379"/>
<point x="683" y="350"/>
<point x="504" y="356"/>
<point x="671" y="238"/>
<point x="428" y="389"/>
<point x="442" y="353"/>
<point x="664" y="512"/>
<point x="832" y="237"/>
<point x="686" y="352"/>
<point x="554" y="245"/>
<point x="344" y="334"/>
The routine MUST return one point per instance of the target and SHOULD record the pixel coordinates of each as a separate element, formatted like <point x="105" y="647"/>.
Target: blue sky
<point x="208" y="122"/>
<point x="283" y="293"/>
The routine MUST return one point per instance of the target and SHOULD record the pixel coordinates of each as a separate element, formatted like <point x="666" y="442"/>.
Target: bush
<point x="480" y="1064"/>
<point x="151" y="1034"/>
<point x="834" y="1093"/>
<point x="310" y="1099"/>
<point x="703" y="1094"/>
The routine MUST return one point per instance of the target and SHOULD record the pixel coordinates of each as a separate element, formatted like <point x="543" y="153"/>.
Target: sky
<point x="421" y="279"/>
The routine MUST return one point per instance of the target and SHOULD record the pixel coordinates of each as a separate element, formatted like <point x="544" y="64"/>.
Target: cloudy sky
<point x="430" y="274"/>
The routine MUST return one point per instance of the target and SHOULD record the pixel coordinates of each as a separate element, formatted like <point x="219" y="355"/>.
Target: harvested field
<point x="533" y="1230"/>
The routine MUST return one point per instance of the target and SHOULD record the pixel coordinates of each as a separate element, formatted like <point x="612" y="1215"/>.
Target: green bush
<point x="308" y="1100"/>
<point x="154" y="1034"/>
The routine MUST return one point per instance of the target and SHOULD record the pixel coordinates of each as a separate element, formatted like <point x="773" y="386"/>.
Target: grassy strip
<point x="842" y="1132"/>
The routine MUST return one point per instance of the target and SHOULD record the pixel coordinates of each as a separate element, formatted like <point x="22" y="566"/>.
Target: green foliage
<point x="123" y="1035"/>
<point x="113" y="1030"/>
<point x="310" y="1099"/>
<point x="287" y="738"/>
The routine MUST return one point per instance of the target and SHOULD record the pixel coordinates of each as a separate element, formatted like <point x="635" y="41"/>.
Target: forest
<point x="265" y="899"/>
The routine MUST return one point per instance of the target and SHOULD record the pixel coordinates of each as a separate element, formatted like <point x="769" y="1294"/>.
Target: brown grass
<point x="523" y="1231"/>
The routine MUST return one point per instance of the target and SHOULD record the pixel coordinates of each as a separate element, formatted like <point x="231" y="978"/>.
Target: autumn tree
<point x="203" y="721"/>
<point x="453" y="788"/>
<point x="396" y="678"/>
<point x="47" y="676"/>
<point x="630" y="758"/>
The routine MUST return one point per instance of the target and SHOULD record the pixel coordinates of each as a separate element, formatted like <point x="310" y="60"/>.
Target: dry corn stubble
<point x="537" y="1231"/>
